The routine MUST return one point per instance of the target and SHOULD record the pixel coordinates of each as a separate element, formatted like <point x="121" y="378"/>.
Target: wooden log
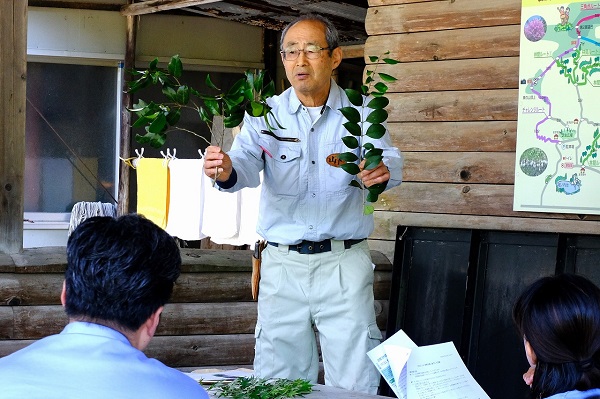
<point x="202" y="350"/>
<point x="9" y="346"/>
<point x="34" y="322"/>
<point x="388" y="222"/>
<point x="473" y="105"/>
<point x="488" y="42"/>
<point x="459" y="167"/>
<point x="428" y="16"/>
<point x="458" y="199"/>
<point x="44" y="289"/>
<point x="375" y="3"/>
<point x="482" y="74"/>
<point x="489" y="136"/>
<point x="6" y="323"/>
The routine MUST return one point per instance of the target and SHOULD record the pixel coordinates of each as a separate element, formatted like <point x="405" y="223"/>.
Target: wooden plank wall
<point x="13" y="67"/>
<point x="209" y="322"/>
<point x="453" y="113"/>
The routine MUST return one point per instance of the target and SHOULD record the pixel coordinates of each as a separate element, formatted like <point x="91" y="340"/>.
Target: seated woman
<point x="559" y="320"/>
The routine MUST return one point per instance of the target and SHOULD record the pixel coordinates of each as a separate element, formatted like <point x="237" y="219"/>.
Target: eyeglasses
<point x="312" y="52"/>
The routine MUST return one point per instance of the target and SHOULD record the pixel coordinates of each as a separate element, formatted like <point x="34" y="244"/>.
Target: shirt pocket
<point x="282" y="166"/>
<point x="337" y="180"/>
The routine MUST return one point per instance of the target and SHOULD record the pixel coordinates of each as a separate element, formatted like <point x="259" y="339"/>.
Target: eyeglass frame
<point x="284" y="53"/>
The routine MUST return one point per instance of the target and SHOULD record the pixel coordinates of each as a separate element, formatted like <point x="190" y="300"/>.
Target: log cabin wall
<point x="453" y="113"/>
<point x="209" y="322"/>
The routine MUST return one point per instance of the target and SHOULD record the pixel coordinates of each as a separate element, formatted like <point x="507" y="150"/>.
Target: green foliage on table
<point x="248" y="94"/>
<point x="372" y="96"/>
<point x="261" y="388"/>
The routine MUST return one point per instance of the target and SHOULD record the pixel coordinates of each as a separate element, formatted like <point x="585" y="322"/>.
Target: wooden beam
<point x="126" y="102"/>
<point x="152" y="6"/>
<point x="13" y="64"/>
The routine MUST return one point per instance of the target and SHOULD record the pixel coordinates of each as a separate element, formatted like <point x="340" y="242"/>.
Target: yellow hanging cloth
<point x="153" y="190"/>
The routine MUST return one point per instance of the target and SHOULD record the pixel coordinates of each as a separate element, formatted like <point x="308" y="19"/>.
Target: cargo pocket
<point x="376" y="337"/>
<point x="257" y="352"/>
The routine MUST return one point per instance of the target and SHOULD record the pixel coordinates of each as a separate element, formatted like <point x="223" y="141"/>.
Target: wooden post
<point x="13" y="69"/>
<point x="127" y="102"/>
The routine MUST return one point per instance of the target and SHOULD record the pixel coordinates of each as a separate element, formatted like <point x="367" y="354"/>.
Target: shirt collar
<point x="333" y="100"/>
<point x="82" y="327"/>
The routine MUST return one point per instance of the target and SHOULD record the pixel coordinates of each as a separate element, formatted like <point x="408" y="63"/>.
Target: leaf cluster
<point x="248" y="94"/>
<point x="372" y="96"/>
<point x="261" y="388"/>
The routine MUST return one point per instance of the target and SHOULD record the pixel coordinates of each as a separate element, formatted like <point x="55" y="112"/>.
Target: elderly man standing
<point x="120" y="273"/>
<point x="317" y="270"/>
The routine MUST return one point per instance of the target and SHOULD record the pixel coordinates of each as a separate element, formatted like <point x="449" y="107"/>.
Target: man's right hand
<point x="217" y="163"/>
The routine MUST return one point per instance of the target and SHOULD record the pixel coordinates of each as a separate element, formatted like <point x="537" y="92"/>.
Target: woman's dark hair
<point x="119" y="271"/>
<point x="560" y="317"/>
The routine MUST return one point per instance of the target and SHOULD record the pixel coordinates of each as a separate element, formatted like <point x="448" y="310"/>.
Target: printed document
<point x="427" y="372"/>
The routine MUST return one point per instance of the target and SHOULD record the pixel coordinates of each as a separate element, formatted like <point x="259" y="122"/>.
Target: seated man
<point x="120" y="273"/>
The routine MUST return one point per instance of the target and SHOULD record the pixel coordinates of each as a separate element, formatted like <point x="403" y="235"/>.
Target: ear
<point x="531" y="357"/>
<point x="337" y="55"/>
<point x="141" y="338"/>
<point x="63" y="294"/>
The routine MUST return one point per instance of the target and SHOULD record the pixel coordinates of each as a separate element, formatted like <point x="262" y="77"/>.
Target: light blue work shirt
<point x="303" y="197"/>
<point x="591" y="393"/>
<point x="90" y="361"/>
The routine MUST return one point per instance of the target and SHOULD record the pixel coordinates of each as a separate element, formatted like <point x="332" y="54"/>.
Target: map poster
<point x="557" y="167"/>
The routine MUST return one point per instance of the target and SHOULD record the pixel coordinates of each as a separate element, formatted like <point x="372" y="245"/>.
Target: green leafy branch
<point x="248" y="94"/>
<point x="261" y="388"/>
<point x="371" y="96"/>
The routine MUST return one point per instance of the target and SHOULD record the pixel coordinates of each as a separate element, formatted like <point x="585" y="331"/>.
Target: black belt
<point x="316" y="247"/>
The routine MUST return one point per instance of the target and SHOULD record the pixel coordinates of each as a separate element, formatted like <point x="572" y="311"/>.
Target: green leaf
<point x="141" y="121"/>
<point x="377" y="116"/>
<point x="209" y="82"/>
<point x="368" y="146"/>
<point x="386" y="78"/>
<point x="378" y="188"/>
<point x="175" y="66"/>
<point x="269" y="91"/>
<point x="391" y="61"/>
<point x="353" y="128"/>
<point x="369" y="79"/>
<point x="204" y="115"/>
<point x="376" y="131"/>
<point x="364" y="89"/>
<point x="213" y="106"/>
<point x="381" y="87"/>
<point x="159" y="124"/>
<point x="183" y="95"/>
<point x="233" y="120"/>
<point x="351" y="168"/>
<point x="354" y="96"/>
<point x="173" y="117"/>
<point x="351" y="114"/>
<point x="348" y="156"/>
<point x="170" y="93"/>
<point x="372" y="196"/>
<point x="372" y="162"/>
<point x="351" y="142"/>
<point x="374" y="152"/>
<point x="373" y="58"/>
<point x="257" y="108"/>
<point x="153" y="64"/>
<point x="356" y="184"/>
<point x="368" y="210"/>
<point x="378" y="103"/>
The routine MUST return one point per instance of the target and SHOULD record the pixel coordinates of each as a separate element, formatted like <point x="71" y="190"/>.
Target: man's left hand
<point x="379" y="174"/>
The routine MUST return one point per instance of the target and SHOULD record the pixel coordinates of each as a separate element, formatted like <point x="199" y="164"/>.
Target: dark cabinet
<point x="460" y="285"/>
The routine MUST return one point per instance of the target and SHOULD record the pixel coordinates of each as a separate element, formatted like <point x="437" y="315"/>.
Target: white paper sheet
<point x="427" y="372"/>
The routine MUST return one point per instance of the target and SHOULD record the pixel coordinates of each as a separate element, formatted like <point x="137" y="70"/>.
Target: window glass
<point x="71" y="135"/>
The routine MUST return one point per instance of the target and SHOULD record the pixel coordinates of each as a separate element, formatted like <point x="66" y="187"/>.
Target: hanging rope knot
<point x="585" y="365"/>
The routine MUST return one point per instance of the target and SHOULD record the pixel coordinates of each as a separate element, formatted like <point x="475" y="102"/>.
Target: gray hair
<point x="331" y="34"/>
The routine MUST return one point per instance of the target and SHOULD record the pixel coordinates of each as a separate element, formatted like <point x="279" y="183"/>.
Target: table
<point x="327" y="392"/>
